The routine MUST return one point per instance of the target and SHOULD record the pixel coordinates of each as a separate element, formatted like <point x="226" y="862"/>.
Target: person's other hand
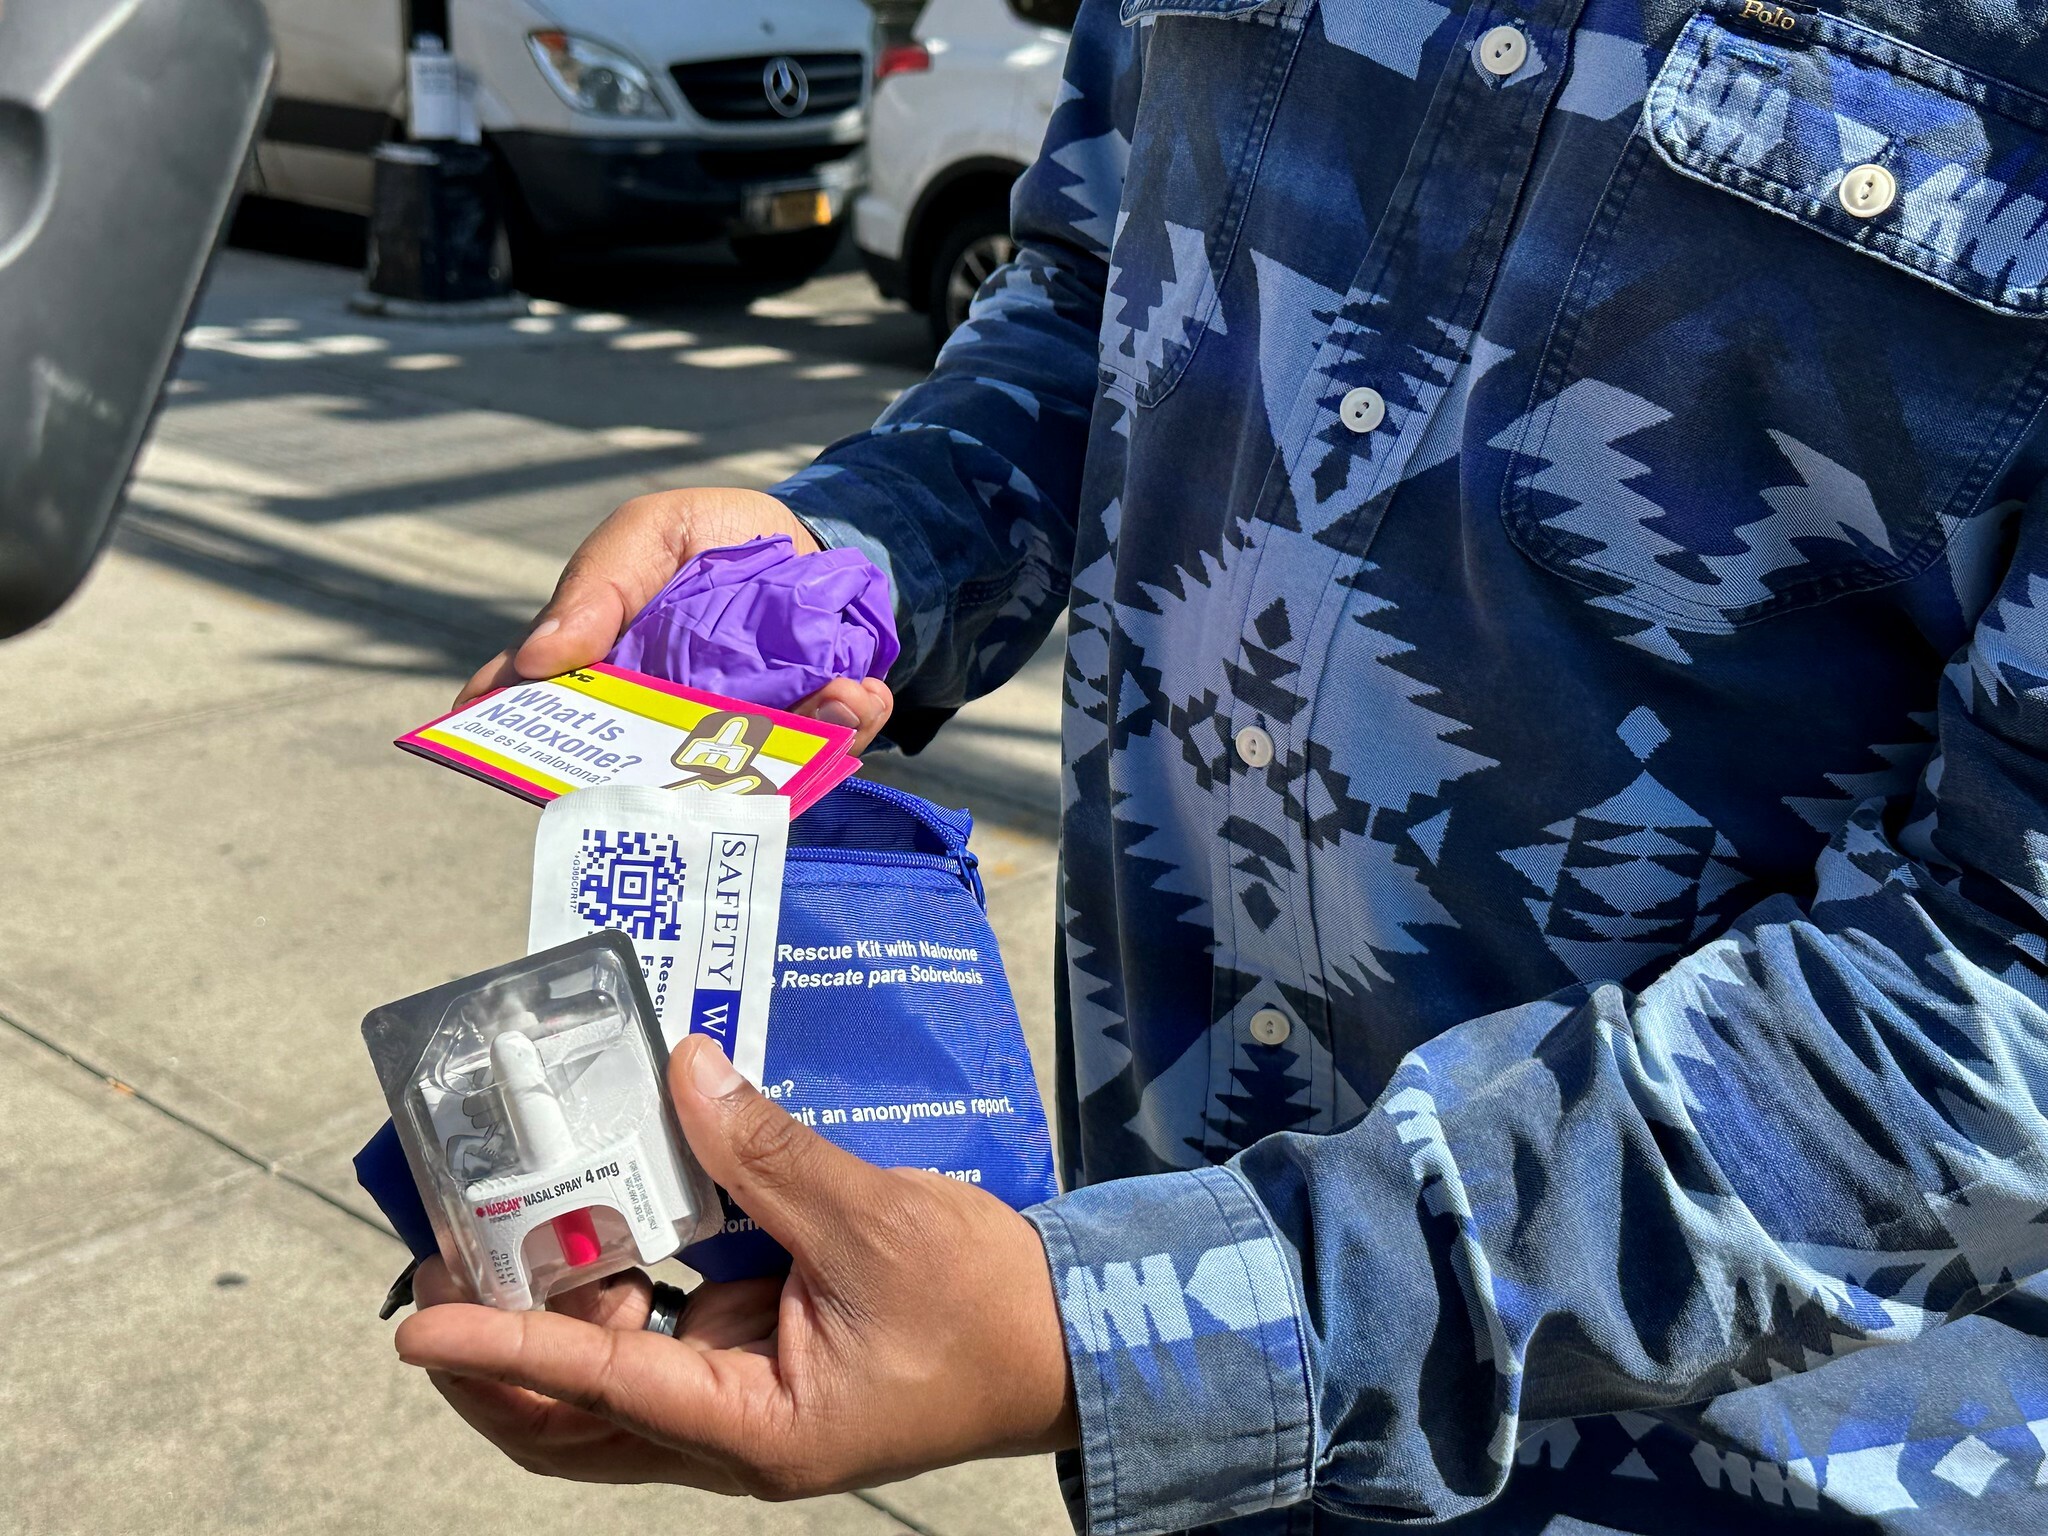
<point x="630" y="557"/>
<point x="917" y="1328"/>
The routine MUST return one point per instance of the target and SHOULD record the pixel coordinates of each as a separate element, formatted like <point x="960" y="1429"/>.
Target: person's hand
<point x="918" y="1328"/>
<point x="628" y="559"/>
<point x="559" y="1439"/>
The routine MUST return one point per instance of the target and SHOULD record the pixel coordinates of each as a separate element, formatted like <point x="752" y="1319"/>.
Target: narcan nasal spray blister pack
<point x="695" y="878"/>
<point x="531" y="1104"/>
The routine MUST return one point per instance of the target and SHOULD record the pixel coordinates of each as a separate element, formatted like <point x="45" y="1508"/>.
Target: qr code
<point x="631" y="881"/>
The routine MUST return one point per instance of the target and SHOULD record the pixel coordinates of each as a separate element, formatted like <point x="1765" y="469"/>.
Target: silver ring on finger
<point x="666" y="1307"/>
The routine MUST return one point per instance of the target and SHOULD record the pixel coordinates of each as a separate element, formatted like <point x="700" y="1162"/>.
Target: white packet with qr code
<point x="694" y="878"/>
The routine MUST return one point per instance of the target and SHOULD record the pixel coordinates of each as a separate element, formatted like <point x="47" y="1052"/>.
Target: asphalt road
<point x="215" y="863"/>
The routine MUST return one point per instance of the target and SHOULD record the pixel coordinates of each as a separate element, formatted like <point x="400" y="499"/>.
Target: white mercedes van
<point x="615" y="122"/>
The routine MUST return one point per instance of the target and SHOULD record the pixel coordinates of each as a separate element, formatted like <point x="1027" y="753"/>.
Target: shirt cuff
<point x="1184" y="1328"/>
<point x="844" y="510"/>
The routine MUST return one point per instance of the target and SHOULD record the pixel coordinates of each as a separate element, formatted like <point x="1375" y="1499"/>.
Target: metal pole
<point x="434" y="222"/>
<point x="429" y="17"/>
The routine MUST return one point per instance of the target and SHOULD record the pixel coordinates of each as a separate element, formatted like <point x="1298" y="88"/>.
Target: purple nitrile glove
<point x="762" y="623"/>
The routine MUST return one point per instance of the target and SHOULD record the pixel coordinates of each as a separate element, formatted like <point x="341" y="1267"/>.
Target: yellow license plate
<point x="804" y="209"/>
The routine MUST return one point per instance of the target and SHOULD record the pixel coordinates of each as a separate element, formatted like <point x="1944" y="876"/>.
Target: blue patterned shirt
<point x="1547" y="500"/>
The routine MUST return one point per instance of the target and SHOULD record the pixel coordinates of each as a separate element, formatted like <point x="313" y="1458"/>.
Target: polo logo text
<point x="1777" y="17"/>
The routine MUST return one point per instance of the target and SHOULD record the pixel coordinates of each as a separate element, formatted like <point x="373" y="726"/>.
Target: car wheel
<point x="787" y="258"/>
<point x="535" y="255"/>
<point x="973" y="248"/>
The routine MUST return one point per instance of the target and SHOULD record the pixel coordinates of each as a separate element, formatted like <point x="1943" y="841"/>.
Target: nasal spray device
<point x="540" y="1130"/>
<point x="530" y="1104"/>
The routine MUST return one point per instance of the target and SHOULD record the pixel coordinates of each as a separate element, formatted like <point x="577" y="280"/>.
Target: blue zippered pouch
<point x="892" y="1031"/>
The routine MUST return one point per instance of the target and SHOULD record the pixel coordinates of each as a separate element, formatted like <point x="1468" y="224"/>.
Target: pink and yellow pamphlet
<point x="604" y="725"/>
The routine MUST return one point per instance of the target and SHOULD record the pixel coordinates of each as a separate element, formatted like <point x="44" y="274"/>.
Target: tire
<point x="975" y="246"/>
<point x="788" y="258"/>
<point x="536" y="256"/>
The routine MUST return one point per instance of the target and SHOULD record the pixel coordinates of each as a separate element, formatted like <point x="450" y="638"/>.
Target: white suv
<point x="958" y="113"/>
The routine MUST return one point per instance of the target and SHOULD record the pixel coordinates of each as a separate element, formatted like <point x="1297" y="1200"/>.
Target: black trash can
<point x="434" y="226"/>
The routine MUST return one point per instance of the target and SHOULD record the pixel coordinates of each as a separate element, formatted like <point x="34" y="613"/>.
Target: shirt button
<point x="1254" y="747"/>
<point x="1270" y="1026"/>
<point x="1503" y="51"/>
<point x="1868" y="190"/>
<point x="1363" y="409"/>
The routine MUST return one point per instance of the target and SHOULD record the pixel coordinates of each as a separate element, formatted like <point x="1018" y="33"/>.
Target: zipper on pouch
<point x="963" y="866"/>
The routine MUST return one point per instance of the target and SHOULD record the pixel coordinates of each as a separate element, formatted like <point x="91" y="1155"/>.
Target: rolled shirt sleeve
<point x="1185" y="1332"/>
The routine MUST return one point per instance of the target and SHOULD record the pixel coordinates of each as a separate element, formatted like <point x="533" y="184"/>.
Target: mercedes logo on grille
<point x="786" y="85"/>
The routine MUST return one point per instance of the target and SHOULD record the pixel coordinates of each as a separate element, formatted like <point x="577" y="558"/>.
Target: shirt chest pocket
<point x="1212" y="75"/>
<point x="1804" y="336"/>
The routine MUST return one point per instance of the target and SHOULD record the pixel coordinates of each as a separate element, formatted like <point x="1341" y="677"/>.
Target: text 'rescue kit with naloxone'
<point x="844" y="962"/>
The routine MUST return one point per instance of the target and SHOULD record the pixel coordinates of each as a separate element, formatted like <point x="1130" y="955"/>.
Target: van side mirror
<point x="124" y="129"/>
<point x="1047" y="13"/>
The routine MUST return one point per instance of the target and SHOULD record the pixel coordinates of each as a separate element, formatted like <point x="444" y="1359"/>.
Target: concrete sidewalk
<point x="215" y="863"/>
